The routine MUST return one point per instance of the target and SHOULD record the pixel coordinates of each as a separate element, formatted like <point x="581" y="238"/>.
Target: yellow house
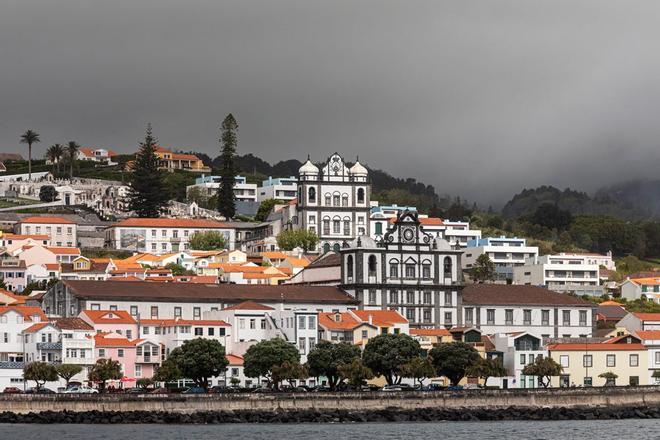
<point x="583" y="363"/>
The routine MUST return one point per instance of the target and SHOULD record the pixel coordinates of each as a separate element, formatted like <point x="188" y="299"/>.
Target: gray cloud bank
<point x="478" y="98"/>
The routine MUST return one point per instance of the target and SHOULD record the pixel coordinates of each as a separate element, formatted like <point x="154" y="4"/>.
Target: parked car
<point x="136" y="390"/>
<point x="82" y="389"/>
<point x="433" y="387"/>
<point x="472" y="386"/>
<point x="219" y="389"/>
<point x="399" y="387"/>
<point x="39" y="391"/>
<point x="12" y="390"/>
<point x="455" y="388"/>
<point x="195" y="390"/>
<point x="265" y="390"/>
<point x="159" y="391"/>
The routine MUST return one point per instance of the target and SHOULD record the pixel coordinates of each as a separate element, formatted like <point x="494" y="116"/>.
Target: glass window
<point x="394" y="299"/>
<point x="469" y="315"/>
<point x="634" y="360"/>
<point x="426" y="271"/>
<point x="566" y="317"/>
<point x="527" y="317"/>
<point x="611" y="360"/>
<point x="490" y="316"/>
<point x="360" y="195"/>
<point x="336" y="224"/>
<point x="447" y="267"/>
<point x="563" y="361"/>
<point x="311" y="195"/>
<point x="508" y="316"/>
<point x="372" y="296"/>
<point x="394" y="270"/>
<point x="410" y="270"/>
<point x="301" y="323"/>
<point x="372" y="265"/>
<point x="587" y="360"/>
<point x="545" y="317"/>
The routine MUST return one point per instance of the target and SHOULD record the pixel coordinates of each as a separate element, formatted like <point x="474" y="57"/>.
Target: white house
<point x="209" y="185"/>
<point x="651" y="340"/>
<point x="62" y="232"/>
<point x="636" y="288"/>
<point x="519" y="349"/>
<point x="634" y="322"/>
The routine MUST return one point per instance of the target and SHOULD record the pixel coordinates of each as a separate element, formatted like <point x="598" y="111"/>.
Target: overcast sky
<point x="478" y="98"/>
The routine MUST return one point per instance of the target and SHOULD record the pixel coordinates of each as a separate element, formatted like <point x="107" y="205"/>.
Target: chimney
<point x="371" y="319"/>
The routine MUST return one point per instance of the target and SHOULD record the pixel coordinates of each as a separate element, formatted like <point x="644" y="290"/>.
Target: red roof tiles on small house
<point x="108" y="340"/>
<point x="109" y="316"/>
<point x="381" y="318"/>
<point x="338" y="321"/>
<point x="28" y="312"/>
<point x="648" y="316"/>
<point x="36" y="327"/>
<point x="429" y="332"/>
<point x="248" y="305"/>
<point x="44" y="219"/>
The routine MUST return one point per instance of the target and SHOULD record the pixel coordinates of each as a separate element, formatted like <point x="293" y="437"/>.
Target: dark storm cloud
<point x="476" y="98"/>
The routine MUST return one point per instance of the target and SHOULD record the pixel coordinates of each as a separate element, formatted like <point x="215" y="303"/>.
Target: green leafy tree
<point x="47" y="193"/>
<point x="385" y="354"/>
<point x="355" y="373"/>
<point x="264" y="209"/>
<point x="610" y="377"/>
<point x="486" y="368"/>
<point x="228" y="142"/>
<point x="40" y="373"/>
<point x="453" y="359"/>
<point x="104" y="370"/>
<point x="207" y="241"/>
<point x="148" y="195"/>
<point x="326" y="358"/>
<point x="290" y="239"/>
<point x="168" y="371"/>
<point x="200" y="359"/>
<point x="261" y="357"/>
<point x="197" y="195"/>
<point x="67" y="371"/>
<point x="72" y="149"/>
<point x="144" y="382"/>
<point x="543" y="367"/>
<point x="484" y="269"/>
<point x="235" y="381"/>
<point x="552" y="217"/>
<point x="289" y="371"/>
<point x="418" y="369"/>
<point x="30" y="137"/>
<point x="178" y="269"/>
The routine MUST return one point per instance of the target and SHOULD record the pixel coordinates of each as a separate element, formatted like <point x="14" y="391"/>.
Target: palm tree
<point x="54" y="154"/>
<point x="30" y="137"/>
<point x="72" y="151"/>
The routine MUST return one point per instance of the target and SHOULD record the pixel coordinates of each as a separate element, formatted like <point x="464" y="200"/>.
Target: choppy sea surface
<point x="523" y="430"/>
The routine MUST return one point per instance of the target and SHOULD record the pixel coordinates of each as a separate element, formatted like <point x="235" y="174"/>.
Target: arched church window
<point x="360" y="195"/>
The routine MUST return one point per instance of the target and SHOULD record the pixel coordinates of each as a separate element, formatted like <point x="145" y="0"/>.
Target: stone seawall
<point x="377" y="406"/>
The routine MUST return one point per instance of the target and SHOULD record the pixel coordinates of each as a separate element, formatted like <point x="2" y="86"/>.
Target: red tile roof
<point x="72" y="324"/>
<point x="234" y="360"/>
<point x="36" y="327"/>
<point x="595" y="347"/>
<point x="430" y="332"/>
<point x="648" y="334"/>
<point x="44" y="219"/>
<point x="381" y="318"/>
<point x="648" y="316"/>
<point x="171" y="223"/>
<point x="26" y="311"/>
<point x="346" y="322"/>
<point x="102" y="340"/>
<point x="63" y="250"/>
<point x="109" y="316"/>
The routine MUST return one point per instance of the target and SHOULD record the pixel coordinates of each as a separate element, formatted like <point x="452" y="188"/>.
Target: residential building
<point x="170" y="333"/>
<point x="358" y="326"/>
<point x="651" y="340"/>
<point x="634" y="322"/>
<point x="14" y="320"/>
<point x="430" y="337"/>
<point x="162" y="235"/>
<point x="324" y="271"/>
<point x="566" y="273"/>
<point x="610" y="312"/>
<point x="333" y="202"/>
<point x="505" y="253"/>
<point x="172" y="161"/>
<point x="582" y="363"/>
<point x="161" y="300"/>
<point x="111" y="320"/>
<point x="117" y="348"/>
<point x="96" y="155"/>
<point x="282" y="188"/>
<point x="62" y="232"/>
<point x="501" y="308"/>
<point x="408" y="271"/>
<point x="459" y="232"/>
<point x="209" y="185"/>
<point x="637" y="288"/>
<point x="518" y="350"/>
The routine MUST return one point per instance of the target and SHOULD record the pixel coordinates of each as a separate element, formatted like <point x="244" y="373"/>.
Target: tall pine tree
<point x="228" y="142"/>
<point x="148" y="195"/>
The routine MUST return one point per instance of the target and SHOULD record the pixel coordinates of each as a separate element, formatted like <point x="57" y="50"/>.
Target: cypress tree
<point x="228" y="142"/>
<point x="148" y="195"/>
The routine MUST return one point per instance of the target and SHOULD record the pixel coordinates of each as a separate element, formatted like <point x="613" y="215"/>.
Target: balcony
<point x="49" y="346"/>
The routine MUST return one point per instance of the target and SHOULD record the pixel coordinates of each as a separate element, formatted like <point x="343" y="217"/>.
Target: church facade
<point x="333" y="202"/>
<point x="409" y="270"/>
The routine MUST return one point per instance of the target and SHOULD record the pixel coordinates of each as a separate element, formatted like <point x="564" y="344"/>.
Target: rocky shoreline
<point x="334" y="416"/>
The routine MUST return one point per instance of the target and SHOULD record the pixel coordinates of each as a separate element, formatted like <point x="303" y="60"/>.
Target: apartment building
<point x="282" y="188"/>
<point x="62" y="232"/>
<point x="506" y="253"/>
<point x="518" y="350"/>
<point x="566" y="273"/>
<point x="243" y="191"/>
<point x="163" y="235"/>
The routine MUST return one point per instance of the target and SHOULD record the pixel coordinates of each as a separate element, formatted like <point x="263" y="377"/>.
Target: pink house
<point x="118" y="348"/>
<point x="111" y="321"/>
<point x="148" y="356"/>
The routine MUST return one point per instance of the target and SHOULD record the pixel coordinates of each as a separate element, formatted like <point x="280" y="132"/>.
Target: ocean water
<point x="523" y="430"/>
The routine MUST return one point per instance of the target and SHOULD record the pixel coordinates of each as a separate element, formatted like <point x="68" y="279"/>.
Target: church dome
<point x="308" y="168"/>
<point x="358" y="169"/>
